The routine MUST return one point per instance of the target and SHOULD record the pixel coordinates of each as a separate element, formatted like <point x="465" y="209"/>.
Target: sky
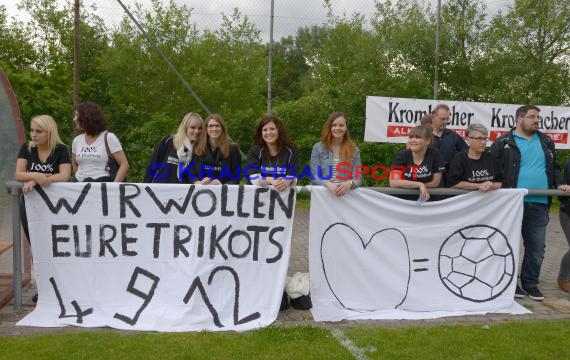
<point x="289" y="14"/>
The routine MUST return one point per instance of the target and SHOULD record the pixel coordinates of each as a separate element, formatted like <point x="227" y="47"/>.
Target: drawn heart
<point x="366" y="275"/>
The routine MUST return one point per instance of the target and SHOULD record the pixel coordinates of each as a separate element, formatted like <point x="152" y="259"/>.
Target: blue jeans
<point x="535" y="219"/>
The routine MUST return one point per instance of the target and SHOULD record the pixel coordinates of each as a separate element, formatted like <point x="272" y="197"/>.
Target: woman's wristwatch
<point x="352" y="184"/>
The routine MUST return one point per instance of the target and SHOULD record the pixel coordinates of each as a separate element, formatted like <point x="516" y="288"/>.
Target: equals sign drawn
<point x="420" y="261"/>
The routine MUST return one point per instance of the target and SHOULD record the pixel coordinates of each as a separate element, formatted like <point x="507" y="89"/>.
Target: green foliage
<point x="517" y="57"/>
<point x="476" y="341"/>
<point x="529" y="48"/>
<point x="404" y="34"/>
<point x="301" y="342"/>
<point x="147" y="134"/>
<point x="462" y="51"/>
<point x="373" y="154"/>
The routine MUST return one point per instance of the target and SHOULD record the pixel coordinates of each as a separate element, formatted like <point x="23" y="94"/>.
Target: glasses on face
<point x="482" y="139"/>
<point x="214" y="126"/>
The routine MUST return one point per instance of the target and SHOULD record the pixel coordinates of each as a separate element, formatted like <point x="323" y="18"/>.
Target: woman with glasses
<point x="475" y="168"/>
<point x="421" y="165"/>
<point x="218" y="158"/>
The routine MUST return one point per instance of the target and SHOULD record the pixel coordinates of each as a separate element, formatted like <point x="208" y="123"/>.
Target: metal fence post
<point x="14" y="189"/>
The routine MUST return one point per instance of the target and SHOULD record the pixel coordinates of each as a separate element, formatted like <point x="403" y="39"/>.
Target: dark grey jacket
<point x="506" y="150"/>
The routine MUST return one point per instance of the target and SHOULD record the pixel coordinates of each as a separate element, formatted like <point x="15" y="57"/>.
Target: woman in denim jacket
<point x="335" y="157"/>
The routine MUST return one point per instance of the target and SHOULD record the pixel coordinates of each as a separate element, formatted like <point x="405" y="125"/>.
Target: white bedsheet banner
<point x="159" y="256"/>
<point x="375" y="256"/>
<point x="389" y="119"/>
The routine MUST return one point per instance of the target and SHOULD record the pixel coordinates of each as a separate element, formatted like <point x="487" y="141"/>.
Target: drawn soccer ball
<point x="476" y="263"/>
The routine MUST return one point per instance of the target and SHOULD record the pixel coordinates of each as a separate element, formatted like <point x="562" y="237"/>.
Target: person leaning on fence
<point x="89" y="155"/>
<point x="334" y="159"/>
<point x="218" y="158"/>
<point x="475" y="168"/>
<point x="528" y="160"/>
<point x="419" y="167"/>
<point x="173" y="154"/>
<point x="564" y="214"/>
<point x="41" y="161"/>
<point x="272" y="159"/>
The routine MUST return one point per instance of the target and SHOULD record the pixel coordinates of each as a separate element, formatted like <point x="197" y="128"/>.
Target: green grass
<point x="303" y="201"/>
<point x="268" y="343"/>
<point x="555" y="205"/>
<point x="516" y="340"/>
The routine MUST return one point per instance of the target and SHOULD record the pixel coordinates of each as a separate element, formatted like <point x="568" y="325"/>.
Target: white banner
<point x="159" y="256"/>
<point x="390" y="119"/>
<point x="375" y="256"/>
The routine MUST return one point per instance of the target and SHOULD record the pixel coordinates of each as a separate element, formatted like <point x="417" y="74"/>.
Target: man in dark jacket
<point x="447" y="142"/>
<point x="529" y="161"/>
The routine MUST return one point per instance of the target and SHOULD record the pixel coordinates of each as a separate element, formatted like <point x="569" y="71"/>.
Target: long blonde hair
<point x="188" y="120"/>
<point x="47" y="124"/>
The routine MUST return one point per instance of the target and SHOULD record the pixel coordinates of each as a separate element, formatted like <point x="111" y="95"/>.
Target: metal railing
<point x="15" y="188"/>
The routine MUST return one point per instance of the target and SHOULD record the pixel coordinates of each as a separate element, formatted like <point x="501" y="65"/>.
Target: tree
<point x="463" y="56"/>
<point x="41" y="78"/>
<point x="16" y="50"/>
<point x="520" y="56"/>
<point x="529" y="48"/>
<point x="405" y="42"/>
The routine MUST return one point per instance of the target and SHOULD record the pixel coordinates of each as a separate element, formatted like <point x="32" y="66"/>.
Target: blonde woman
<point x="41" y="161"/>
<point x="175" y="150"/>
<point x="335" y="158"/>
<point x="218" y="158"/>
<point x="44" y="159"/>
